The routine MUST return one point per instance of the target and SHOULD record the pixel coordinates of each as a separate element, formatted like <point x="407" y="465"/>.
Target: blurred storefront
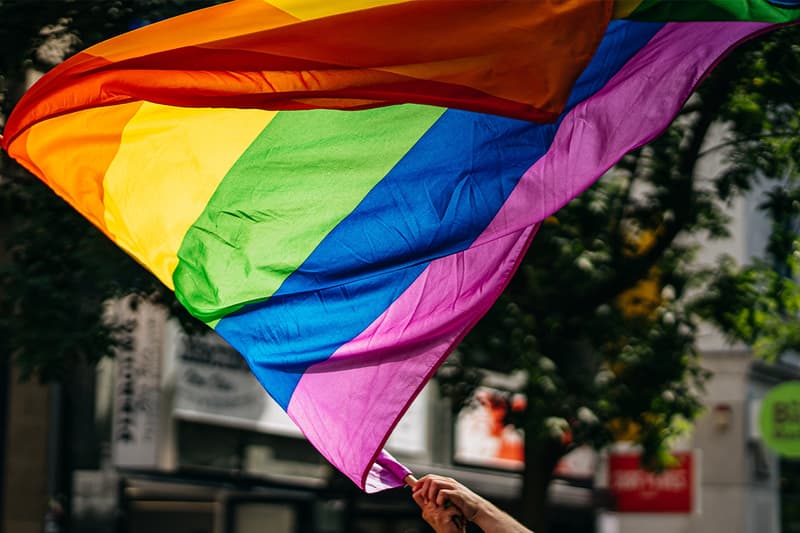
<point x="727" y="480"/>
<point x="189" y="443"/>
<point x="195" y="445"/>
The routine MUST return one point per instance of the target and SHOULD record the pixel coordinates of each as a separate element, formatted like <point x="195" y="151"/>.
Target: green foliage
<point x="57" y="274"/>
<point x="756" y="305"/>
<point x="759" y="304"/>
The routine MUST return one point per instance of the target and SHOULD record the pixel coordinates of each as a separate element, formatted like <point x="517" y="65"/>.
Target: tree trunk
<point x="541" y="459"/>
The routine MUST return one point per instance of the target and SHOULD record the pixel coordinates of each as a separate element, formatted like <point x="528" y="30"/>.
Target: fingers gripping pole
<point x="458" y="519"/>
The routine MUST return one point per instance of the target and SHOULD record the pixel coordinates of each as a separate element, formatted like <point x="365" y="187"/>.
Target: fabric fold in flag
<point x="346" y="253"/>
<point x="499" y="56"/>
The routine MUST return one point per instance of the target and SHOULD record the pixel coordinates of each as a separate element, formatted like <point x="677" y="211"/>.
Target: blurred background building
<point x="176" y="436"/>
<point x="732" y="482"/>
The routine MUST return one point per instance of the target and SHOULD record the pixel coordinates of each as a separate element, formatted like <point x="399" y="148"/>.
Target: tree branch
<point x="629" y="271"/>
<point x="735" y="142"/>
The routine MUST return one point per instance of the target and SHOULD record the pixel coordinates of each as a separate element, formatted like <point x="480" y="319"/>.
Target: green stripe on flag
<point x="720" y="10"/>
<point x="301" y="176"/>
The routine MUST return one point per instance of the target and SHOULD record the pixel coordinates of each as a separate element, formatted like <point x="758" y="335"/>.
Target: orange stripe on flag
<point x="73" y="152"/>
<point x="504" y="57"/>
<point x="212" y="24"/>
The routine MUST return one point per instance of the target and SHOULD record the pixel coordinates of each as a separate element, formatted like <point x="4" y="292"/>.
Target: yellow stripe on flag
<point x="315" y="9"/>
<point x="169" y="163"/>
<point x="623" y="8"/>
<point x="196" y="28"/>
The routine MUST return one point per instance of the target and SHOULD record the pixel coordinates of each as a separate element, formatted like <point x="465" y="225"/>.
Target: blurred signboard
<point x="779" y="419"/>
<point x="137" y="435"/>
<point x="639" y="491"/>
<point x="410" y="436"/>
<point x="482" y="435"/>
<point x="579" y="464"/>
<point x="214" y="385"/>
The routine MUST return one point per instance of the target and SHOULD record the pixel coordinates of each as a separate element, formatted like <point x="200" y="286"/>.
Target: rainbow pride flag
<point x="346" y="253"/>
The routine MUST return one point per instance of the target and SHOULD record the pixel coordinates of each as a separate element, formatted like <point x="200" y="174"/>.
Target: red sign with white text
<point x="638" y="491"/>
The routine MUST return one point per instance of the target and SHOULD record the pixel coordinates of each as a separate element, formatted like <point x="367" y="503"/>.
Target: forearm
<point x="492" y="520"/>
<point x="438" y="492"/>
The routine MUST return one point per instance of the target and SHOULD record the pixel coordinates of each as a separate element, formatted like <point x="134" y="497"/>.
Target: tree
<point x="602" y="314"/>
<point x="56" y="270"/>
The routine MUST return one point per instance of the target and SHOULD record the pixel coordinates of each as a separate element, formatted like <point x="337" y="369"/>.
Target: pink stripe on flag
<point x="349" y="404"/>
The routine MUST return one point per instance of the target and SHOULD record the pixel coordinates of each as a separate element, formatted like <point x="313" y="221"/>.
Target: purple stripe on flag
<point x="348" y="404"/>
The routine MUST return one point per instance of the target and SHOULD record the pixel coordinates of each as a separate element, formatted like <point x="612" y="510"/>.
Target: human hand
<point x="442" y="518"/>
<point x="439" y="490"/>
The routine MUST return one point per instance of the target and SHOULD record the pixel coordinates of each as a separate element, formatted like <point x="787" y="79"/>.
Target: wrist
<point x="484" y="512"/>
<point x="493" y="520"/>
